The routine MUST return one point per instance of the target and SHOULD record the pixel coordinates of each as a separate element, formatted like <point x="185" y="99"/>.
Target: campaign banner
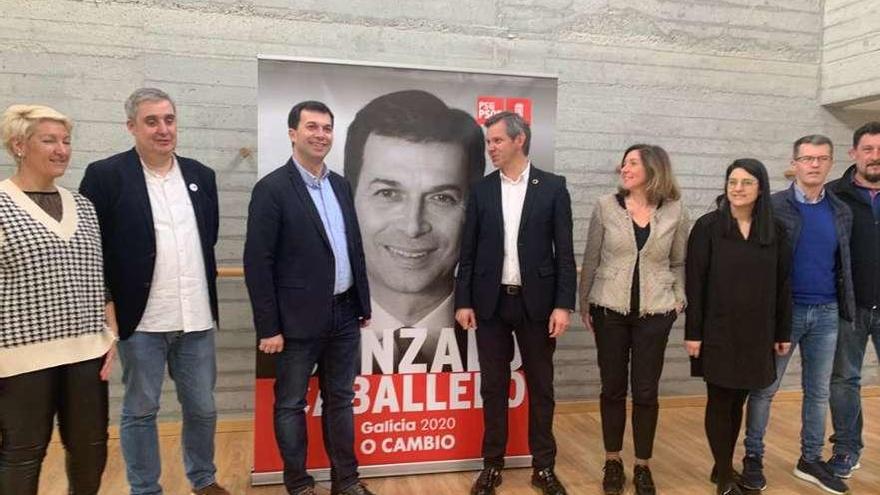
<point x="415" y="418"/>
<point x="409" y="141"/>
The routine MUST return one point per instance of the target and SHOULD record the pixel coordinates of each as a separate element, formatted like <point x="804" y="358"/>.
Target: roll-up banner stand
<point x="410" y="141"/>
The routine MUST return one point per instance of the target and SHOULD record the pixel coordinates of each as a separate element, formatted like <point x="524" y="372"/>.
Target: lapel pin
<point x="193" y="187"/>
<point x="534" y="181"/>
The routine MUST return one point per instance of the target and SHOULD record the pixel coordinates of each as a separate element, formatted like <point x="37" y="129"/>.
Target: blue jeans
<point x="192" y="365"/>
<point x="335" y="352"/>
<point x="846" y="380"/>
<point x="814" y="329"/>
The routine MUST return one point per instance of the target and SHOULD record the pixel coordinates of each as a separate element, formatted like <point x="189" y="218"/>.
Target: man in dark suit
<point x="307" y="279"/>
<point x="516" y="276"/>
<point x="159" y="221"/>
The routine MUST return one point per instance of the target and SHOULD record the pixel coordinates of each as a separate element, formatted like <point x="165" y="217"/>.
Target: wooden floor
<point x="681" y="461"/>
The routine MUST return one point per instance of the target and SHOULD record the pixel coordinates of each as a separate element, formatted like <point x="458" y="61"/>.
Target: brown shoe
<point x="307" y="490"/>
<point x="212" y="489"/>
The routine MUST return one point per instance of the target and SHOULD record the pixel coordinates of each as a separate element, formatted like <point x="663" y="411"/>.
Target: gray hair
<point x="141" y="95"/>
<point x="515" y="126"/>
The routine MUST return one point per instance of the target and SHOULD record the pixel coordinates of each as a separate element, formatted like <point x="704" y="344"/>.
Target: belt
<point x="511" y="290"/>
<point x="343" y="297"/>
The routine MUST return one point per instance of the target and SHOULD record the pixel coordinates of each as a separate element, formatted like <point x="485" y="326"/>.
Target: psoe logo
<point x="488" y="106"/>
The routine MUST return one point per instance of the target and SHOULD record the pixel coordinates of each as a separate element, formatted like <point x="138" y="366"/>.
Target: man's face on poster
<point x="410" y="201"/>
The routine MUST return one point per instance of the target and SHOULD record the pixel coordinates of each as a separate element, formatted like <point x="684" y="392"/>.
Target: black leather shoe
<point x="355" y="489"/>
<point x="713" y="477"/>
<point x="486" y="482"/>
<point x="614" y="478"/>
<point x="546" y="480"/>
<point x="643" y="481"/>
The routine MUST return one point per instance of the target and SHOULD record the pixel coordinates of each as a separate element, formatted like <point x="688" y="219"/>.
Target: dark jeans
<point x="28" y="404"/>
<point x="724" y="414"/>
<point x="495" y="349"/>
<point x="619" y="339"/>
<point x="846" y="379"/>
<point x="336" y="354"/>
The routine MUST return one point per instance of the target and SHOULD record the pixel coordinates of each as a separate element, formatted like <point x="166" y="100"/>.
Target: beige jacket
<point x="611" y="253"/>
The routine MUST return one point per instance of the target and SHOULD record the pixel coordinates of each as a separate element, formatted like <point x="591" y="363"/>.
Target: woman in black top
<point x="739" y="305"/>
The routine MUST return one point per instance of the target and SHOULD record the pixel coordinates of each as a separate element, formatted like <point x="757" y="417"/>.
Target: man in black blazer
<point x="307" y="279"/>
<point x="516" y="276"/>
<point x="159" y="221"/>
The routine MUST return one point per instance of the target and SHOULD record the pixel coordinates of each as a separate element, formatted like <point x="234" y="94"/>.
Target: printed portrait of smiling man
<point x="411" y="161"/>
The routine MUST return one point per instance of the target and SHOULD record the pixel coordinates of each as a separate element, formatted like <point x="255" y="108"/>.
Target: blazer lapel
<point x="300" y="187"/>
<point x="532" y="190"/>
<point x="134" y="172"/>
<point x="495" y="198"/>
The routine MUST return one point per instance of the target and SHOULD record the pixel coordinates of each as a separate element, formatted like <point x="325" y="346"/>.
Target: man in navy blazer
<point x="307" y="279"/>
<point x="159" y="221"/>
<point x="516" y="276"/>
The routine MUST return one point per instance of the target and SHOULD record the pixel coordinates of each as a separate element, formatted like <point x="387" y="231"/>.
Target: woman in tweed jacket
<point x="55" y="344"/>
<point x="631" y="290"/>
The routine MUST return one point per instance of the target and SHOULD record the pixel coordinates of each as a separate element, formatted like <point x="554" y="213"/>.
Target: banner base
<point x="382" y="470"/>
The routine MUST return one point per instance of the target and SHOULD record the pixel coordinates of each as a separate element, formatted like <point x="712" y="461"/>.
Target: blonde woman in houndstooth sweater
<point x="56" y="345"/>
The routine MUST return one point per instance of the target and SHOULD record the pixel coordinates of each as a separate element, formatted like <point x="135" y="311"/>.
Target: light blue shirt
<point x="802" y="198"/>
<point x="327" y="204"/>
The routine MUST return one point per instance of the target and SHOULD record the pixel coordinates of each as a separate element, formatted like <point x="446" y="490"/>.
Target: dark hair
<point x="310" y="105"/>
<point x="814" y="139"/>
<point x="660" y="182"/>
<point x="871" y="128"/>
<point x="419" y="117"/>
<point x="763" y="224"/>
<point x="516" y="125"/>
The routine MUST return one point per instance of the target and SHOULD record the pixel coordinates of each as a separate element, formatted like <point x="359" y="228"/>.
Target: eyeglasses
<point x="809" y="160"/>
<point x="732" y="183"/>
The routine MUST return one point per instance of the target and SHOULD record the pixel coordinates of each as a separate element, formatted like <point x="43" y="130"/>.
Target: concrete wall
<point x="709" y="80"/>
<point x="850" y="52"/>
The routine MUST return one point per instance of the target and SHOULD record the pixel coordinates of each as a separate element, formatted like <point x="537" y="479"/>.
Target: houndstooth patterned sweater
<point x="51" y="283"/>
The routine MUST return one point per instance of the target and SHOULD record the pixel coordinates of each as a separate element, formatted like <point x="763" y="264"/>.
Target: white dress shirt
<point x="178" y="297"/>
<point x="513" y="195"/>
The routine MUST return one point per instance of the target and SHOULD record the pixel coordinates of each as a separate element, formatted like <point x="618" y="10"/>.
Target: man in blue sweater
<point x="818" y="227"/>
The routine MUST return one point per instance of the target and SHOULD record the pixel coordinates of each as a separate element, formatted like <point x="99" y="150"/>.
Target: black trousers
<point x="28" y="404"/>
<point x="495" y="349"/>
<point x="724" y="413"/>
<point x="621" y="339"/>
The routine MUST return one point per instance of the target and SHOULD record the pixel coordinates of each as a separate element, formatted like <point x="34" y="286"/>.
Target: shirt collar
<point x="523" y="177"/>
<point x="172" y="172"/>
<point x="311" y="180"/>
<point x="439" y="317"/>
<point x="802" y="198"/>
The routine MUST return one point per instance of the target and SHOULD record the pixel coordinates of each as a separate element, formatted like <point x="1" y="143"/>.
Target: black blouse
<point x="642" y="234"/>
<point x="50" y="202"/>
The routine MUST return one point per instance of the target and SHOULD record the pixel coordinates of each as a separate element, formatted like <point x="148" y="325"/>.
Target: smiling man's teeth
<point x="407" y="254"/>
